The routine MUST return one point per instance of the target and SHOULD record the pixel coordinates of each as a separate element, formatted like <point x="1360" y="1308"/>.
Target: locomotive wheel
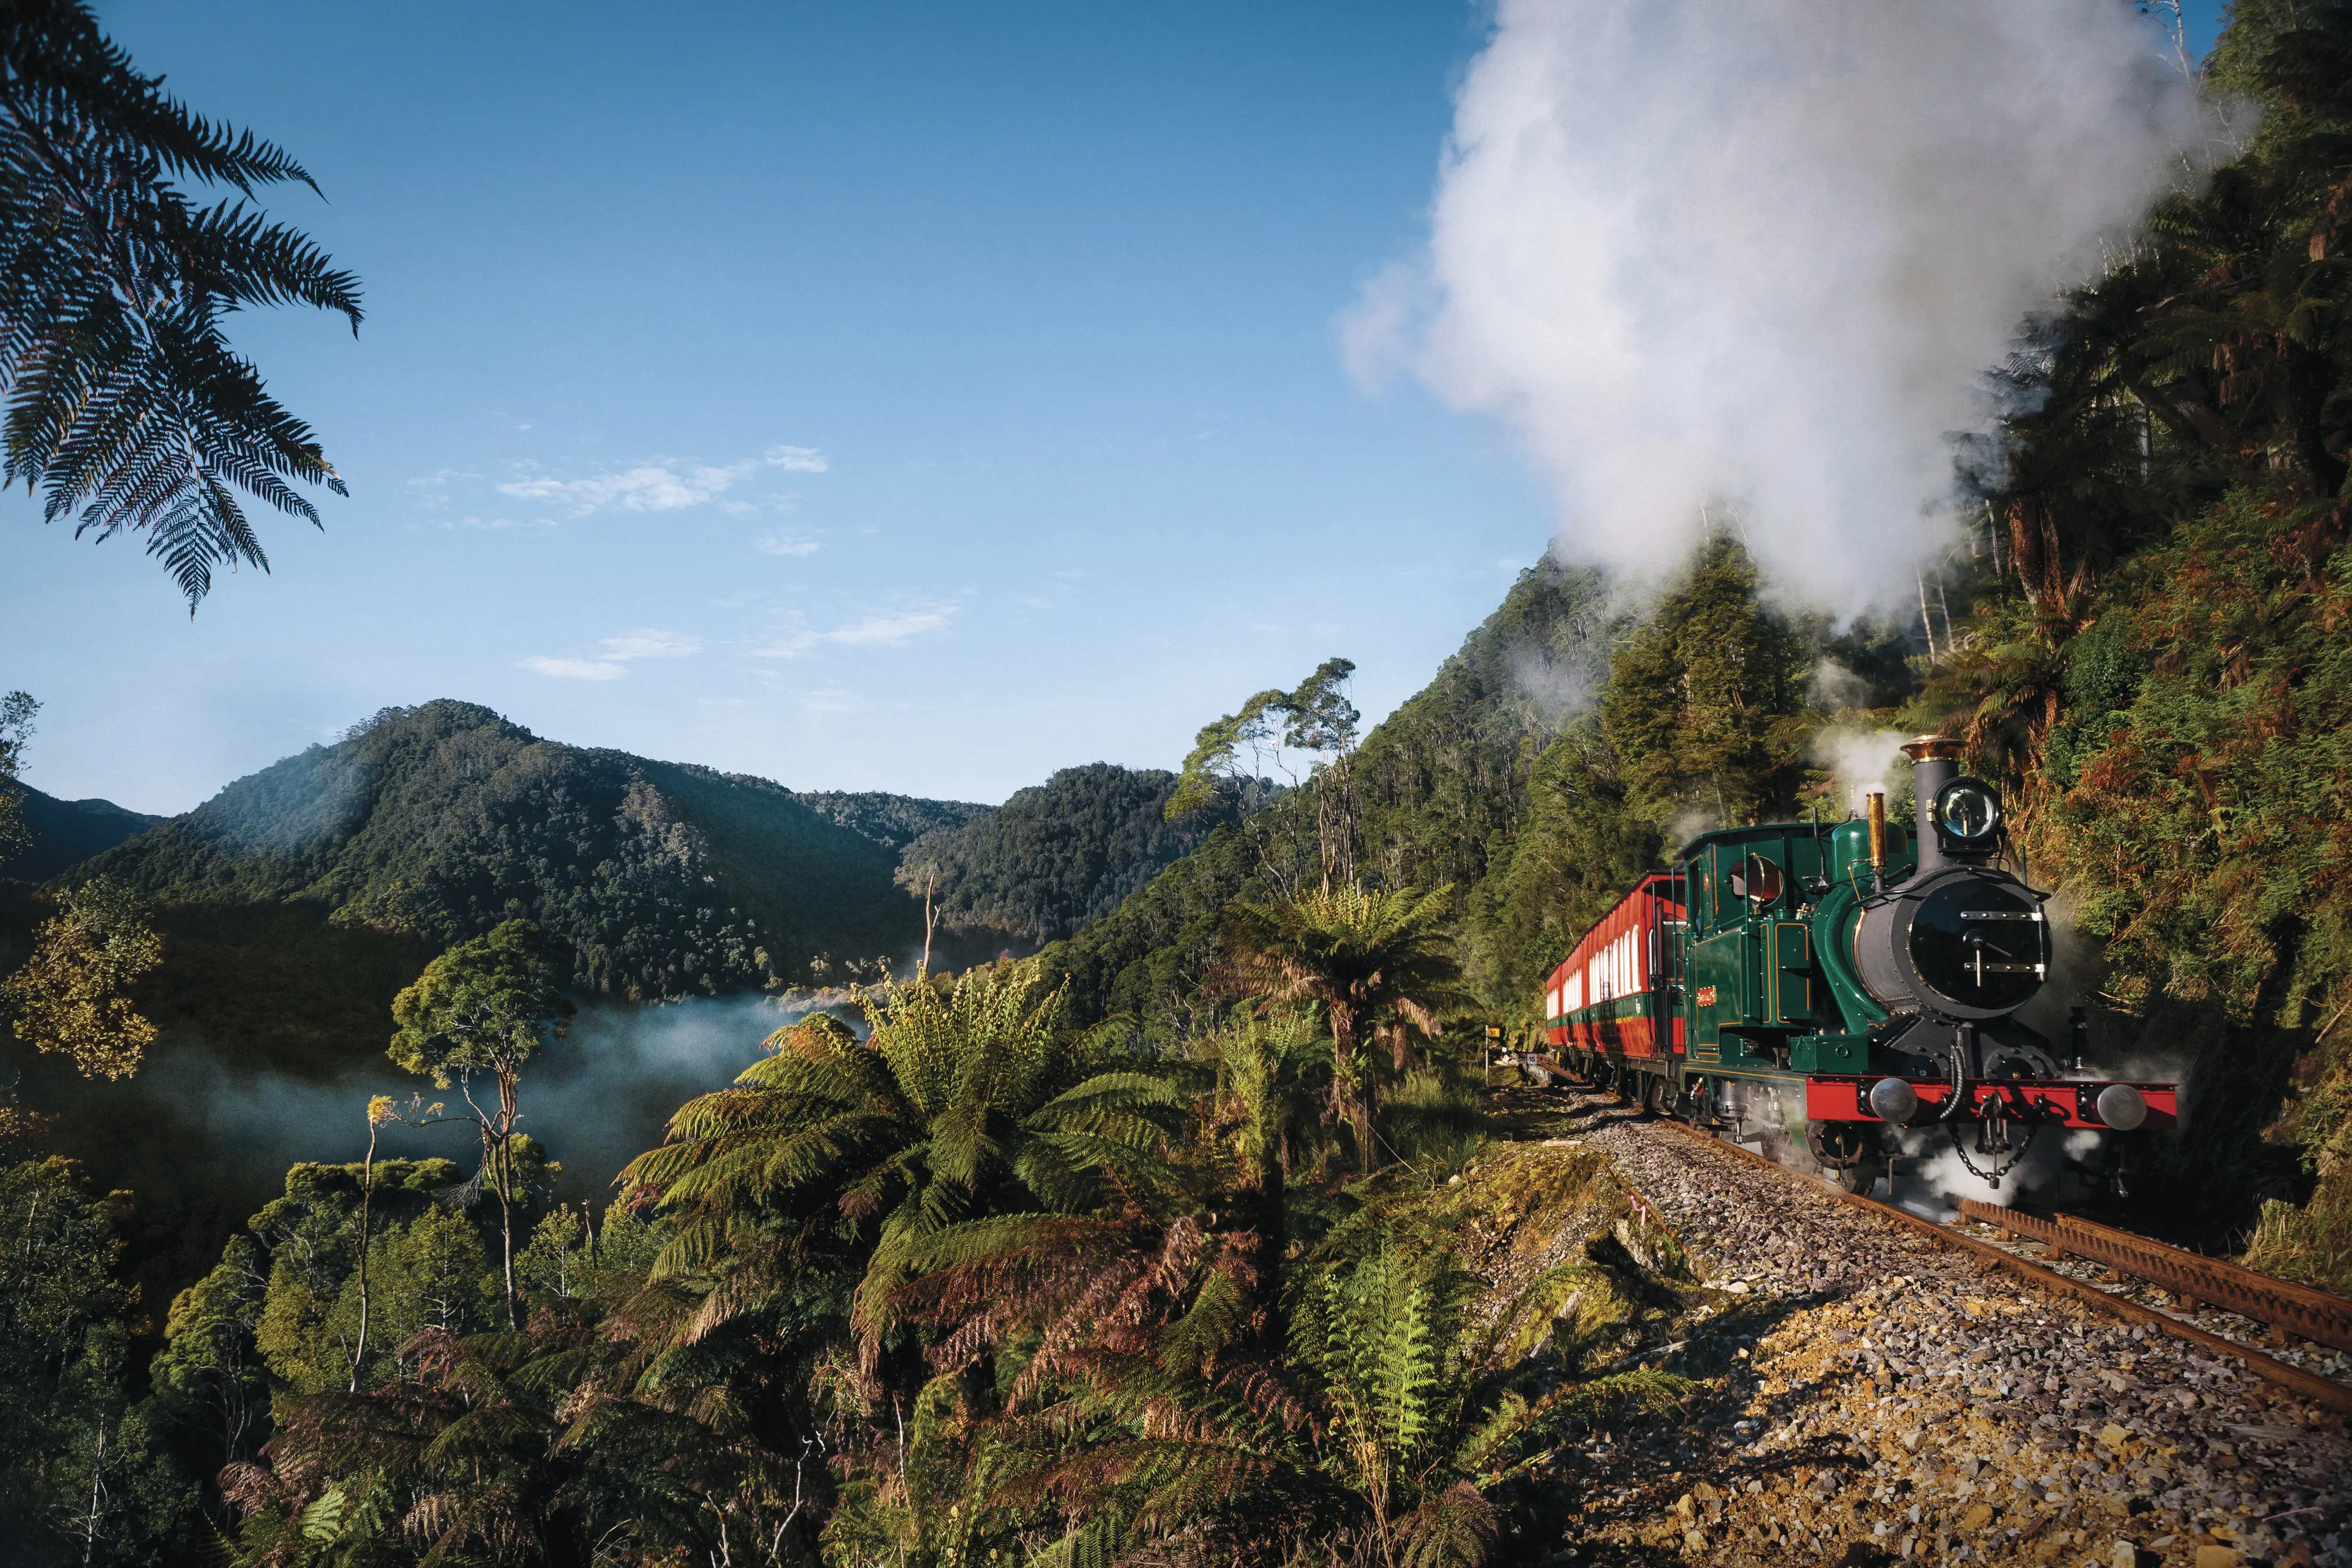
<point x="1862" y="1176"/>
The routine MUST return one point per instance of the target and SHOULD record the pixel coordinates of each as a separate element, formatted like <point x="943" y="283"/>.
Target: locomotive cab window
<point x="1758" y="880"/>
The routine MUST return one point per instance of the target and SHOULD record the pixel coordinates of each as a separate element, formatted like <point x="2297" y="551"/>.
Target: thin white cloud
<point x="894" y="627"/>
<point x="575" y="669"/>
<point x="886" y="629"/>
<point x="661" y="485"/>
<point x="776" y="544"/>
<point x="832" y="699"/>
<point x="614" y="655"/>
<point x="649" y="488"/>
<point x="433" y="489"/>
<point x="651" y="644"/>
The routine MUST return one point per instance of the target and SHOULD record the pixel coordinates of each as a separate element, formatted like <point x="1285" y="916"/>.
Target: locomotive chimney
<point x="1934" y="762"/>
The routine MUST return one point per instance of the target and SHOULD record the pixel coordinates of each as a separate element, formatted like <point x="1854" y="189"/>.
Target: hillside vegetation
<point x="438" y="822"/>
<point x="62" y="834"/>
<point x="1055" y="857"/>
<point x="1502" y="780"/>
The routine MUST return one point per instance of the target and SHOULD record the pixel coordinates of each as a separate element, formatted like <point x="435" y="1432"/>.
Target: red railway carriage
<point x="1614" y="993"/>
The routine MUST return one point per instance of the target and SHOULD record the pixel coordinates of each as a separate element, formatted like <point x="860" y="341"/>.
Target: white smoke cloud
<point x="1758" y="254"/>
<point x="1861" y="760"/>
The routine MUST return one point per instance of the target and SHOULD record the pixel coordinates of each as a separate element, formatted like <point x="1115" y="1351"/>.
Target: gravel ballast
<point x="1883" y="1398"/>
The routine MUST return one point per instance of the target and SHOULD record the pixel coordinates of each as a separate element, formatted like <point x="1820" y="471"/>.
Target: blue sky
<point x="907" y="397"/>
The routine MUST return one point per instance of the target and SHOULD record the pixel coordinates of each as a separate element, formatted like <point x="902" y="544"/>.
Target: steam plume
<point x="1758" y="254"/>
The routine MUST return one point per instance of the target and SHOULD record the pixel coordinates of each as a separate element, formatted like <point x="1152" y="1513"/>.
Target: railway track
<point x="2321" y="1391"/>
<point x="2191" y="1277"/>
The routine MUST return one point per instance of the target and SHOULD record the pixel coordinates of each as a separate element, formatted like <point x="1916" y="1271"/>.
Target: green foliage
<point x="975" y="1284"/>
<point x="2161" y="680"/>
<point x="1380" y="967"/>
<point x="304" y="1323"/>
<point x="1696" y="695"/>
<point x="485" y="1006"/>
<point x="557" y="1262"/>
<point x="442" y="821"/>
<point x="124" y="397"/>
<point x="211" y="1385"/>
<point x="16" y="711"/>
<point x="968" y="1098"/>
<point x="72" y="996"/>
<point x="1055" y="857"/>
<point x="1439" y="795"/>
<point x="1580" y="846"/>
<point x="84" y="1476"/>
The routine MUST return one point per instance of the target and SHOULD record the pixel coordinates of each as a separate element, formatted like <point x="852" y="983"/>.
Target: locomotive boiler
<point x="1829" y="983"/>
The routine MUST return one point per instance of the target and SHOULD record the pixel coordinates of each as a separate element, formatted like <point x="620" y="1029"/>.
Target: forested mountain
<point x="1498" y="781"/>
<point x="1441" y="787"/>
<point x="439" y="820"/>
<point x="66" y="833"/>
<point x="1056" y="856"/>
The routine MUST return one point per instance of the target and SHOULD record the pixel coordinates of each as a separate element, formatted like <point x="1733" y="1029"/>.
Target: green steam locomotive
<point x="1823" y="985"/>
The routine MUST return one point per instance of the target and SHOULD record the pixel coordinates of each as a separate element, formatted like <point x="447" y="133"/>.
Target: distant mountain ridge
<point x="667" y="879"/>
<point x="67" y="832"/>
<point x="1056" y="856"/>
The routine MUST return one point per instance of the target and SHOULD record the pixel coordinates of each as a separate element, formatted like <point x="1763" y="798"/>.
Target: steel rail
<point x="2193" y="1277"/>
<point x="2319" y="1390"/>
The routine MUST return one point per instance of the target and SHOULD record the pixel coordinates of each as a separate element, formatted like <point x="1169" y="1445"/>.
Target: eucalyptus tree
<point x="486" y="1006"/>
<point x="124" y="399"/>
<point x="1317" y="721"/>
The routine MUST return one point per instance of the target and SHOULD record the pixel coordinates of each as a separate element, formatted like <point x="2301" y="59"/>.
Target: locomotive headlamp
<point x="2121" y="1106"/>
<point x="1893" y="1099"/>
<point x="1967" y="813"/>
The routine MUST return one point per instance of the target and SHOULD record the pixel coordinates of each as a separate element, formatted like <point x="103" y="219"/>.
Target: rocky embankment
<point x="1879" y="1399"/>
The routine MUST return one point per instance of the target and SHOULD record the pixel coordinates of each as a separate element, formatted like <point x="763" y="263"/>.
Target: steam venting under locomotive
<point x="1831" y="982"/>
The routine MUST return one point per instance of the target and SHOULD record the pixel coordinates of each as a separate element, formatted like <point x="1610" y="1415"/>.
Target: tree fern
<point x="123" y="398"/>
